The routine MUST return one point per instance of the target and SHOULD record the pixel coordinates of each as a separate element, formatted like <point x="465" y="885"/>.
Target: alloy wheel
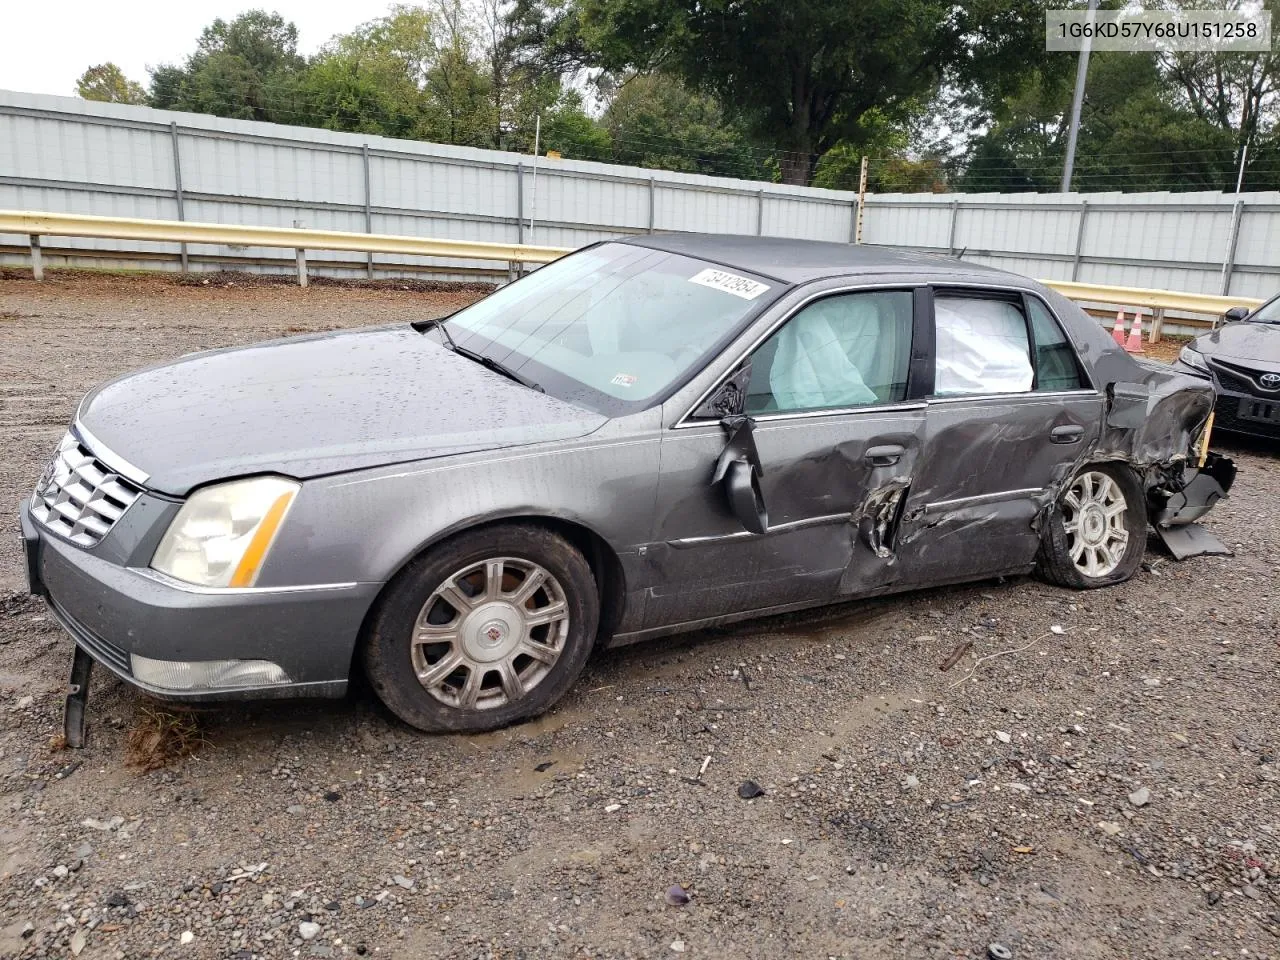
<point x="1093" y="515"/>
<point x="490" y="633"/>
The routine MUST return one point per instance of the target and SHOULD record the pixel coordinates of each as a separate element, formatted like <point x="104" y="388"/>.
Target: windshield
<point x="613" y="326"/>
<point x="1269" y="312"/>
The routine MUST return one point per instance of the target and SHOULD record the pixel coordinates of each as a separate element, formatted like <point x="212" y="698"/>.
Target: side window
<point x="981" y="346"/>
<point x="1057" y="367"/>
<point x="847" y="350"/>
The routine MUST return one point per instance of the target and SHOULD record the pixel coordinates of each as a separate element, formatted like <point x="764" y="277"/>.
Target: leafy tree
<point x="801" y="73"/>
<point x="245" y="68"/>
<point x="459" y="108"/>
<point x="107" y="82"/>
<point x="567" y="128"/>
<point x="371" y="79"/>
<point x="655" y="122"/>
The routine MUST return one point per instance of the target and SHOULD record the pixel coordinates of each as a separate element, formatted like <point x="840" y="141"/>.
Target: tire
<point x="487" y="656"/>
<point x="1068" y="556"/>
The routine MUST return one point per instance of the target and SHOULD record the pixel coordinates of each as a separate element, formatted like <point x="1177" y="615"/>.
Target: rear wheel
<point x="490" y="628"/>
<point x="1098" y="533"/>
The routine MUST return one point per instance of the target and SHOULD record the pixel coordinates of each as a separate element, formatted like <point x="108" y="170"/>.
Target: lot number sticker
<point x="743" y="287"/>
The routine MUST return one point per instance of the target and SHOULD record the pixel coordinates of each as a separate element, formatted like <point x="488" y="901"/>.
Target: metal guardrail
<point x="35" y="225"/>
<point x="1157" y="301"/>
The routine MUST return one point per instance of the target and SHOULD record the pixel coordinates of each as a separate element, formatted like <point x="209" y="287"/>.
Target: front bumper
<point x="1239" y="411"/>
<point x="113" y="611"/>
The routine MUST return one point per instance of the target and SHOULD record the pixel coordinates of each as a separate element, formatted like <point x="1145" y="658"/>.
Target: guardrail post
<point x="177" y="190"/>
<point x="1075" y="260"/>
<point x="37" y="265"/>
<point x="759" y="213"/>
<point x="302" y="258"/>
<point x="1229" y="262"/>
<point x="951" y="234"/>
<point x="1157" y="324"/>
<point x="368" y="209"/>
<point x="653" y="189"/>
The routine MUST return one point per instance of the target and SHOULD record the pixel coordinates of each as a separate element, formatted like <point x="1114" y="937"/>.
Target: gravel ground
<point x="1107" y="789"/>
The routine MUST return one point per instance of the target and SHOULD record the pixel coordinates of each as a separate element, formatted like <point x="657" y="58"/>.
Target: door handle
<point x="1071" y="433"/>
<point x="884" y="456"/>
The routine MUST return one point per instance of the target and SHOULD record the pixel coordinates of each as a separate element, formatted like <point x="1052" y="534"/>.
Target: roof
<point x="799" y="261"/>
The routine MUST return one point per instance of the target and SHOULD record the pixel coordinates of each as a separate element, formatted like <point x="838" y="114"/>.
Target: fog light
<point x="206" y="674"/>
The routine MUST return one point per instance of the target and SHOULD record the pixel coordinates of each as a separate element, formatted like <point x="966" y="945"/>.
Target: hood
<point x="315" y="405"/>
<point x="1252" y="344"/>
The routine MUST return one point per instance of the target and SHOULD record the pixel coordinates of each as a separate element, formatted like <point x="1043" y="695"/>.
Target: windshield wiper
<point x="422" y="326"/>
<point x="497" y="366"/>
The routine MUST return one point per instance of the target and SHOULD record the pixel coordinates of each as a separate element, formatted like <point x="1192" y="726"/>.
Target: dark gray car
<point x="1243" y="358"/>
<point x="642" y="438"/>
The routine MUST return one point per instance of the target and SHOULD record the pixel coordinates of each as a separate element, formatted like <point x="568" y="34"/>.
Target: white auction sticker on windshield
<point x="743" y="287"/>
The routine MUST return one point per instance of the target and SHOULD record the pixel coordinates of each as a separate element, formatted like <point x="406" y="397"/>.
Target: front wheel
<point x="489" y="628"/>
<point x="1097" y="534"/>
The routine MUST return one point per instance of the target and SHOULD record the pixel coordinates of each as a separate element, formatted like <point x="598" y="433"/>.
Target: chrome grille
<point x="80" y="497"/>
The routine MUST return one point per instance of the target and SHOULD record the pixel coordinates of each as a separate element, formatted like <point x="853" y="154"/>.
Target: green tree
<point x="107" y="82"/>
<point x="245" y="68"/>
<point x="371" y="80"/>
<point x="801" y="73"/>
<point x="569" y="129"/>
<point x="459" y="107"/>
<point x="654" y="121"/>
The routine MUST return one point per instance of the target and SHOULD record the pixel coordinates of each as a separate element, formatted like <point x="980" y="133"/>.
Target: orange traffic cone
<point x="1117" y="332"/>
<point x="1134" y="343"/>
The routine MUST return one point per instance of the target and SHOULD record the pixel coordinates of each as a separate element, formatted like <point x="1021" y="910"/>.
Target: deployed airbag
<point x="981" y="347"/>
<point x="812" y="368"/>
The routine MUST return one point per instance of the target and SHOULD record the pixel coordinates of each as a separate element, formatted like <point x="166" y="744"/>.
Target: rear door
<point x="832" y="426"/>
<point x="1009" y="415"/>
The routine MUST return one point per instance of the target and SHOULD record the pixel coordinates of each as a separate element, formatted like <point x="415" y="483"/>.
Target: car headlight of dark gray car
<point x="1193" y="358"/>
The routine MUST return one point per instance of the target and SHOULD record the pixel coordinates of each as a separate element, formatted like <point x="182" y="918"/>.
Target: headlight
<point x="1193" y="358"/>
<point x="222" y="534"/>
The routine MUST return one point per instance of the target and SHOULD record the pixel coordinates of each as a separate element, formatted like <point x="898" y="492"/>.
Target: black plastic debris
<point x="544" y="766"/>
<point x="333" y="796"/>
<point x="749" y="790"/>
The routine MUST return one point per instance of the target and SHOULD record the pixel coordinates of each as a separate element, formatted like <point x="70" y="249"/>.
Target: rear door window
<point x="981" y="346"/>
<point x="1057" y="366"/>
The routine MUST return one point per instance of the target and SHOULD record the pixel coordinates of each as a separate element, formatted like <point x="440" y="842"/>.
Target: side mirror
<point x="1235" y="313"/>
<point x="739" y="469"/>
<point x="746" y="500"/>
<point x="730" y="400"/>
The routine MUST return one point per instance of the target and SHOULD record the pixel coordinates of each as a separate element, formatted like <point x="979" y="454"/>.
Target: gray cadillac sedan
<point x="644" y="437"/>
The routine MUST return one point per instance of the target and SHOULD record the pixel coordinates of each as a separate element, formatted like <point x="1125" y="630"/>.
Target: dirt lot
<point x="1109" y="790"/>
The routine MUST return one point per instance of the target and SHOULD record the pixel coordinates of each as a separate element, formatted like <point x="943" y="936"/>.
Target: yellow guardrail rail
<point x="1152" y="299"/>
<point x="36" y="225"/>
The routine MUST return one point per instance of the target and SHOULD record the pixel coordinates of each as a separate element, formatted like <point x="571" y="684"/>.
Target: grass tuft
<point x="161" y="737"/>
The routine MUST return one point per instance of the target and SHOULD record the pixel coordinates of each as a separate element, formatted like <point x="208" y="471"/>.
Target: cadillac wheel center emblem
<point x="1270" y="380"/>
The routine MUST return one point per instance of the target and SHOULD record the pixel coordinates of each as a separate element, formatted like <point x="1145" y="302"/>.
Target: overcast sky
<point x="45" y="46"/>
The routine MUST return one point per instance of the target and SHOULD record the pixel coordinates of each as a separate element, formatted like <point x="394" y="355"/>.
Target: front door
<point x="1009" y="417"/>
<point x="837" y="440"/>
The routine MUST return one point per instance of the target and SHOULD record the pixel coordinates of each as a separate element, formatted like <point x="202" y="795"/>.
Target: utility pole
<point x="1082" y="71"/>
